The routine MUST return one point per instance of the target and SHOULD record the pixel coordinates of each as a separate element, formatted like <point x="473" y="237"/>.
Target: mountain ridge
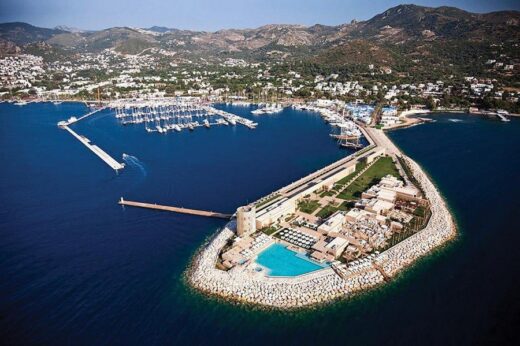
<point x="400" y="33"/>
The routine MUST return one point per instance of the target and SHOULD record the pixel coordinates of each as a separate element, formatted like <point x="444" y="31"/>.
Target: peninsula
<point x="304" y="245"/>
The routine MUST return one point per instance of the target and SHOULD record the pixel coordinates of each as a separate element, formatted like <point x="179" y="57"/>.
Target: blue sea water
<point x="76" y="268"/>
<point x="280" y="261"/>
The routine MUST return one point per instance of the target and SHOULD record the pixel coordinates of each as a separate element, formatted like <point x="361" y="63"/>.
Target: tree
<point x="430" y="103"/>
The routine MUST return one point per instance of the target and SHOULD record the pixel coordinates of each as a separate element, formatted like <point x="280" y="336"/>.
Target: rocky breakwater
<point x="438" y="231"/>
<point x="244" y="284"/>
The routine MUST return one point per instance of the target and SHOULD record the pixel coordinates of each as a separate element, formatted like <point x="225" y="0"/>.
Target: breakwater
<point x="109" y="160"/>
<point x="174" y="209"/>
<point x="245" y="285"/>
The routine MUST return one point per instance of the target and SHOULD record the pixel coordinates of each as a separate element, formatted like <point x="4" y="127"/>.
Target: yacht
<point x="275" y="108"/>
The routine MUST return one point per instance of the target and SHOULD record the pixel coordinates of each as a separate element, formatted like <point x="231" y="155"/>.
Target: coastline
<point x="409" y="122"/>
<point x="324" y="285"/>
<point x="405" y="114"/>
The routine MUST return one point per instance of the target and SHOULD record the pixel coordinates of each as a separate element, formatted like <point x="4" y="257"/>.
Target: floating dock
<point x="96" y="150"/>
<point x="175" y="209"/>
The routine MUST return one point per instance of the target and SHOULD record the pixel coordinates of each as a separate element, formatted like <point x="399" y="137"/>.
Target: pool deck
<point x="279" y="261"/>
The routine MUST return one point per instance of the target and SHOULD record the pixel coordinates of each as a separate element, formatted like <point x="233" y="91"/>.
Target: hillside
<point x="406" y="38"/>
<point x="396" y="25"/>
<point x="23" y="33"/>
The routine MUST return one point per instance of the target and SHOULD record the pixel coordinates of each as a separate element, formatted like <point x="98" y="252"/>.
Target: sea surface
<point x="76" y="268"/>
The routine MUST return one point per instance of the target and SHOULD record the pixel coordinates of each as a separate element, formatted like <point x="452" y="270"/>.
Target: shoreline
<point x="325" y="285"/>
<point x="409" y="121"/>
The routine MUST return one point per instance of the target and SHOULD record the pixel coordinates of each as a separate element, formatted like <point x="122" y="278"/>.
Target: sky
<point x="212" y="15"/>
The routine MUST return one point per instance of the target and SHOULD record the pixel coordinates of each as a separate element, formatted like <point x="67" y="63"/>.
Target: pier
<point x="73" y="120"/>
<point x="502" y="117"/>
<point x="95" y="149"/>
<point x="232" y="118"/>
<point x="175" y="209"/>
<point x="88" y="114"/>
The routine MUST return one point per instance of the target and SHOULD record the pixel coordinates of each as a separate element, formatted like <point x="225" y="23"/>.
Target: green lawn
<point x="330" y="209"/>
<point x="371" y="176"/>
<point x="308" y="206"/>
<point x="328" y="193"/>
<point x="337" y="187"/>
<point x="359" y="167"/>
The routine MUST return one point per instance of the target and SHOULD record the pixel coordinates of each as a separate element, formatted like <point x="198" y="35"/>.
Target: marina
<point x="158" y="115"/>
<point x="344" y="127"/>
<point x="267" y="109"/>
<point x="165" y="115"/>
<point x="349" y="135"/>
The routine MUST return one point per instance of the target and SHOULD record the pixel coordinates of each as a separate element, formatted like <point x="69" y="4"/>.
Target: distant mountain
<point x="411" y="22"/>
<point x="159" y="29"/>
<point x="68" y="29"/>
<point x="23" y="33"/>
<point x="395" y="37"/>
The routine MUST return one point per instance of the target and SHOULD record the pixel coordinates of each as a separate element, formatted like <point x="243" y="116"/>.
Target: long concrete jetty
<point x="175" y="209"/>
<point x="96" y="150"/>
<point x="88" y="114"/>
<point x="73" y="120"/>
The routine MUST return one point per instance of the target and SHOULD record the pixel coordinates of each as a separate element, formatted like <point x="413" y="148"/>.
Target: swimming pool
<point x="280" y="261"/>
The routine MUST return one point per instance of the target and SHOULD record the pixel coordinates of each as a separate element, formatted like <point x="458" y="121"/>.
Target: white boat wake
<point x="134" y="161"/>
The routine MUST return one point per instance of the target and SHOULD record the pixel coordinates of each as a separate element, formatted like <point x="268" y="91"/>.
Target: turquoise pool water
<point x="279" y="261"/>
